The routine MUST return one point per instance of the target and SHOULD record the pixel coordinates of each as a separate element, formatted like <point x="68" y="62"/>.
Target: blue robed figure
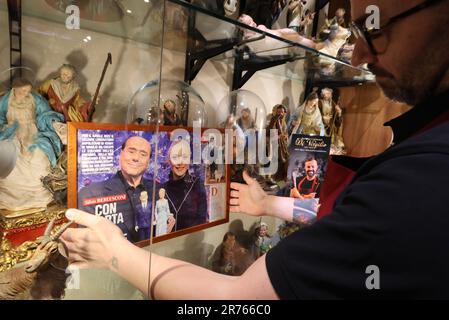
<point x="26" y="120"/>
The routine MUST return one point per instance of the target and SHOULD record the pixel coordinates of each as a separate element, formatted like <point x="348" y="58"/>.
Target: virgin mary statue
<point x="27" y="121"/>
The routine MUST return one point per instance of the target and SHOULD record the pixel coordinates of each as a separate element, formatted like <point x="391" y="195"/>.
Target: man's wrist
<point x="117" y="247"/>
<point x="267" y="205"/>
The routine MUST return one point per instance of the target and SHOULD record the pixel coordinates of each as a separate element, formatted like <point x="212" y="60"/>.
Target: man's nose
<point x="362" y="54"/>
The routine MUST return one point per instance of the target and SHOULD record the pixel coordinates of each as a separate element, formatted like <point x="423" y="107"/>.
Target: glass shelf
<point x="208" y="30"/>
<point x="141" y="21"/>
<point x="132" y="20"/>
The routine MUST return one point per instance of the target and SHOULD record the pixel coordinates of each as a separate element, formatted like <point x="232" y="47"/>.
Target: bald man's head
<point x="135" y="156"/>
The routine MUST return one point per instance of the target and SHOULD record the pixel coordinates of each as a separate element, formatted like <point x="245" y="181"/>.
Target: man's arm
<point x="101" y="245"/>
<point x="251" y="199"/>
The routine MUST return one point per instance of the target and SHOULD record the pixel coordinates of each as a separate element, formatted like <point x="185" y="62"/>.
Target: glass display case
<point x="163" y="90"/>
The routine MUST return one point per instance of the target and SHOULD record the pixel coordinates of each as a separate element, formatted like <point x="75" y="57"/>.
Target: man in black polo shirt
<point x="120" y="198"/>
<point x="308" y="186"/>
<point x="387" y="234"/>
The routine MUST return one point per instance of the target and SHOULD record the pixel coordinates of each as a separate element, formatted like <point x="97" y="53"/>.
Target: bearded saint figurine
<point x="64" y="95"/>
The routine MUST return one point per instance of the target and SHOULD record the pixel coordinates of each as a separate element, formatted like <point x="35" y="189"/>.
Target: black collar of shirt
<point x="418" y="117"/>
<point x="126" y="184"/>
<point x="186" y="179"/>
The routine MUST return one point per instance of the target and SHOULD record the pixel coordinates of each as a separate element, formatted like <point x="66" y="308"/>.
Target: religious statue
<point x="338" y="19"/>
<point x="278" y="123"/>
<point x="268" y="43"/>
<point x="262" y="240"/>
<point x="337" y="38"/>
<point x="28" y="121"/>
<point x="295" y="14"/>
<point x="64" y="95"/>
<point x="171" y="118"/>
<point x="230" y="257"/>
<point x="184" y="101"/>
<point x="246" y="121"/>
<point x="307" y="119"/>
<point x="231" y="8"/>
<point x="333" y="120"/>
<point x="298" y="17"/>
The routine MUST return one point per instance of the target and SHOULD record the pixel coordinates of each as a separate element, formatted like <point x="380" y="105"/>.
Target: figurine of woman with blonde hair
<point x="162" y="214"/>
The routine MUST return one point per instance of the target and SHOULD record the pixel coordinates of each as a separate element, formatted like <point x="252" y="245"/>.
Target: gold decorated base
<point x="11" y="255"/>
<point x="28" y="218"/>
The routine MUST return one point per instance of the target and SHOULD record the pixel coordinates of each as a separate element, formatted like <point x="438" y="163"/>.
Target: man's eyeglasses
<point x="368" y="35"/>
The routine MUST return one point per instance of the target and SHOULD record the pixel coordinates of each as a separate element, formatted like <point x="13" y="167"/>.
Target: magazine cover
<point x="307" y="167"/>
<point x="145" y="182"/>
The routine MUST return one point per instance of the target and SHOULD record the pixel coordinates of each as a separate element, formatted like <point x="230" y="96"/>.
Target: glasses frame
<point x="360" y="31"/>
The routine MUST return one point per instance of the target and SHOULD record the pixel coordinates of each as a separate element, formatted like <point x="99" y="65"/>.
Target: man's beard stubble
<point x="427" y="77"/>
<point x="311" y="173"/>
<point x="400" y="91"/>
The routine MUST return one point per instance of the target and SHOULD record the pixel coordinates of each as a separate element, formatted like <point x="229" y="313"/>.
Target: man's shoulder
<point x="421" y="160"/>
<point x="433" y="142"/>
<point x="433" y="136"/>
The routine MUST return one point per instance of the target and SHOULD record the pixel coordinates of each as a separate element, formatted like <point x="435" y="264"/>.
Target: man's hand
<point x="92" y="246"/>
<point x="310" y="196"/>
<point x="294" y="193"/>
<point x="248" y="198"/>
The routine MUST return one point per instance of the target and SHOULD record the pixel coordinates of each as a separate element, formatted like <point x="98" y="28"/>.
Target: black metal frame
<point x="246" y="64"/>
<point x="199" y="49"/>
<point x="15" y="32"/>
